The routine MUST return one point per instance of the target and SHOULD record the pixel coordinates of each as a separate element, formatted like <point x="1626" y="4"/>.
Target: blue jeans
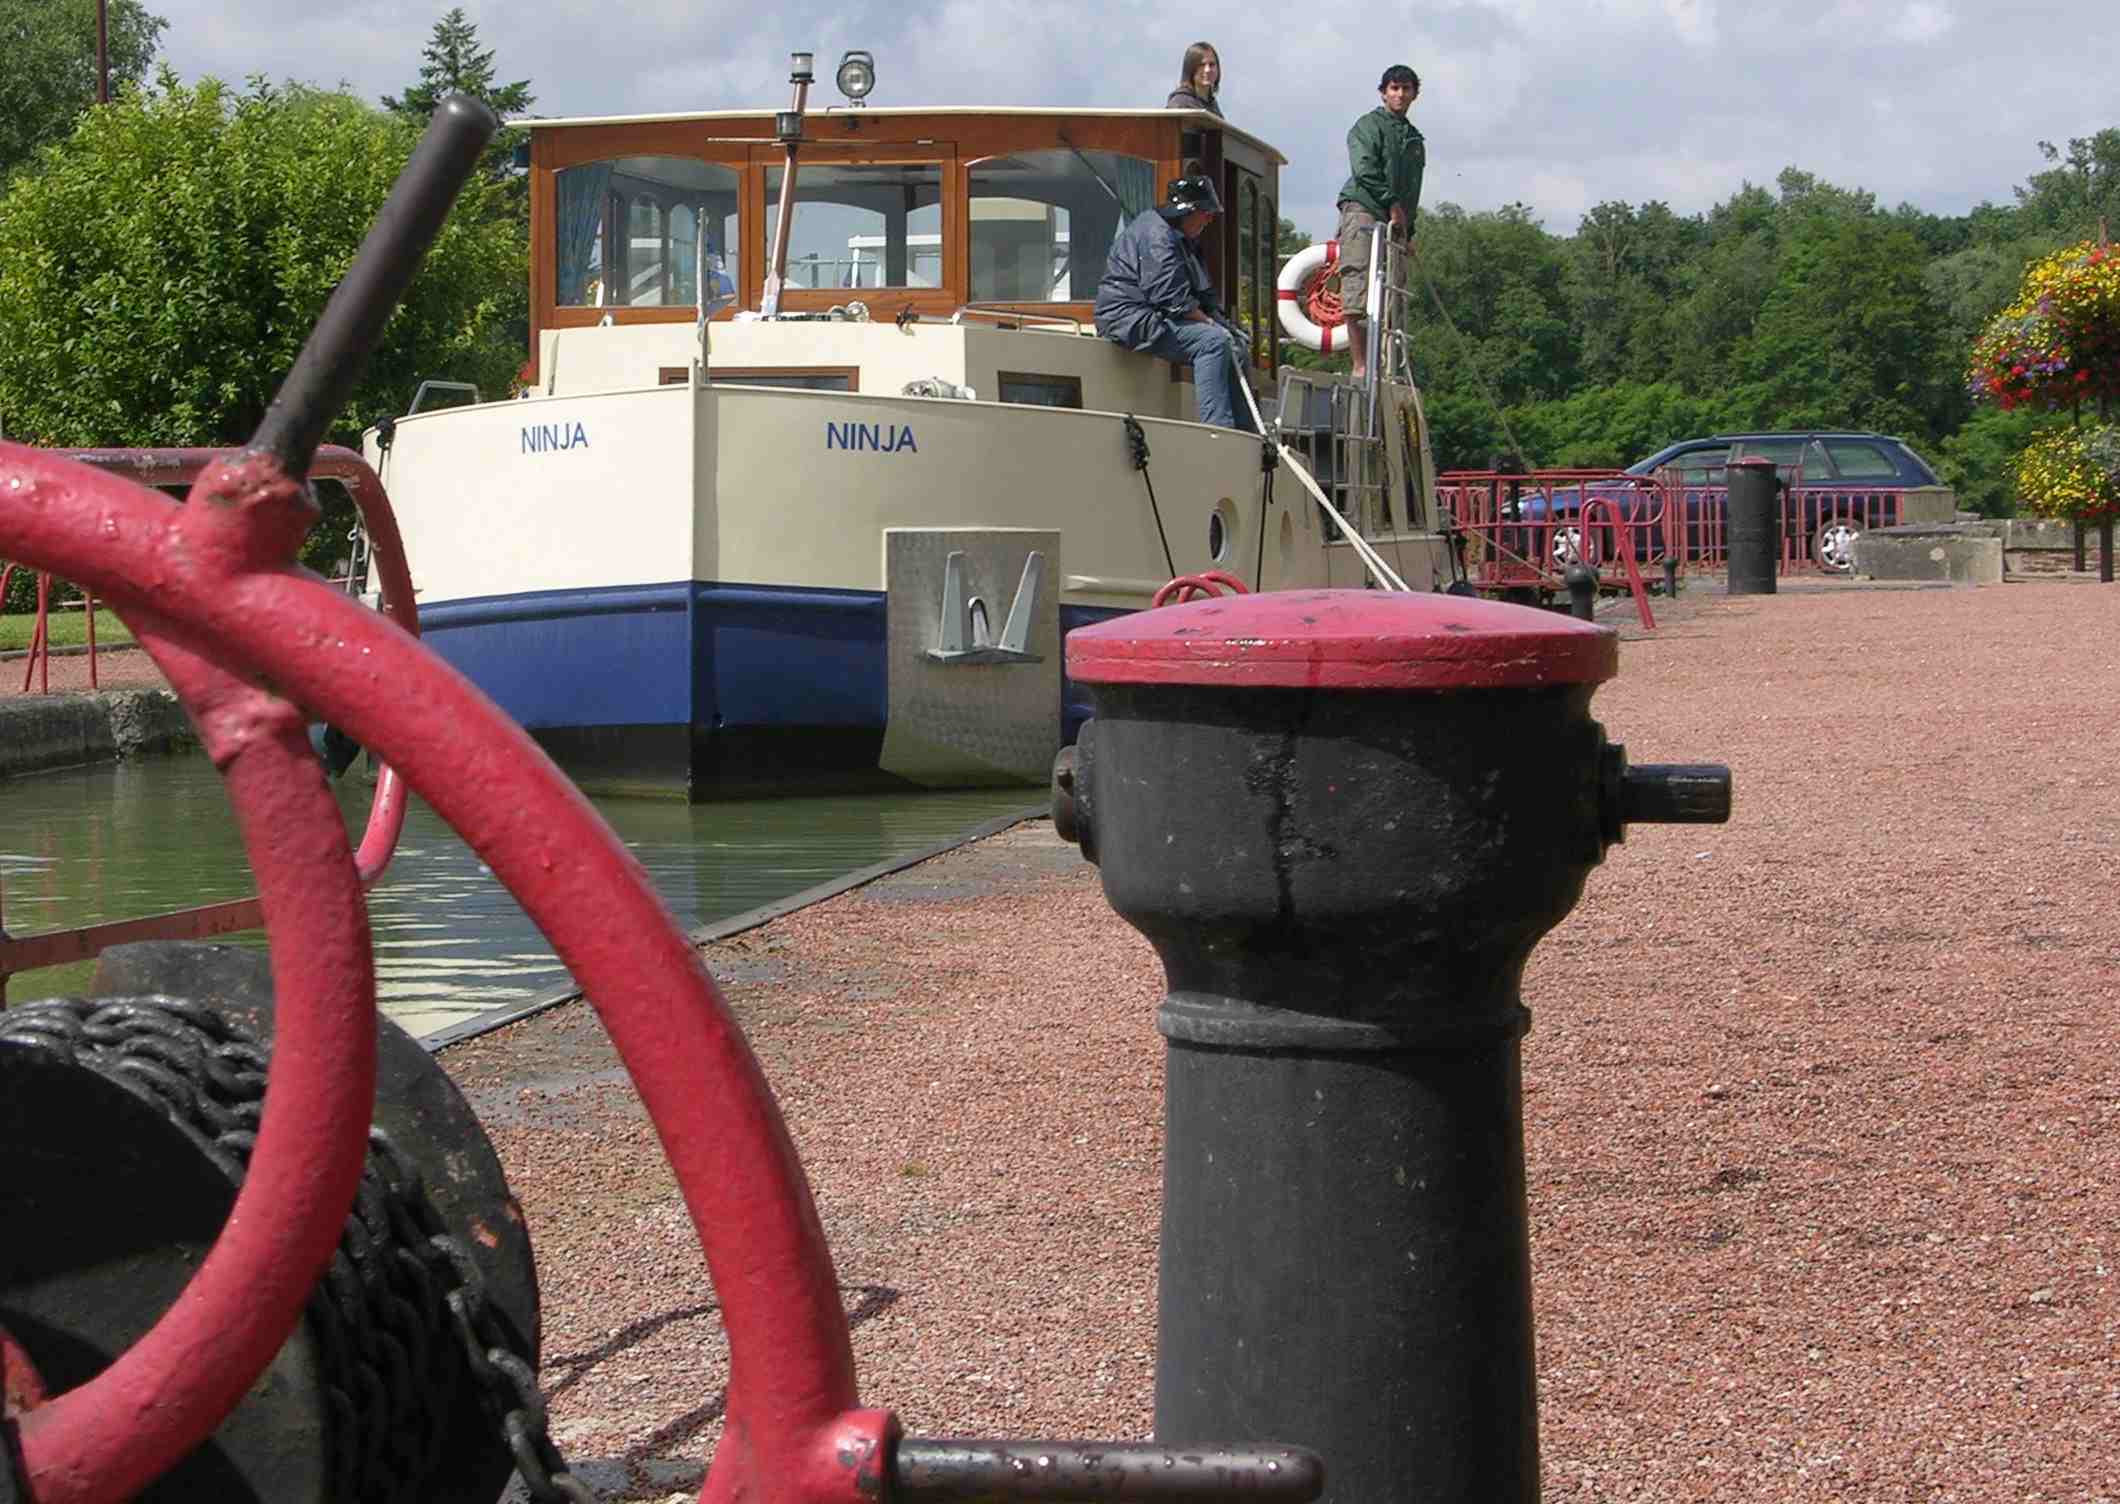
<point x="1207" y="349"/>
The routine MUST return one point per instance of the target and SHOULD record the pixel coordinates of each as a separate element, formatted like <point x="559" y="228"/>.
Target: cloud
<point x="1550" y="102"/>
<point x="1921" y="22"/>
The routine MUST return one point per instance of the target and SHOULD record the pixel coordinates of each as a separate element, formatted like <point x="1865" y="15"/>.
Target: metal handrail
<point x="420" y="395"/>
<point x="1002" y="311"/>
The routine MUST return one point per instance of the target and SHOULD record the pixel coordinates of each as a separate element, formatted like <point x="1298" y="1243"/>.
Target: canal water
<point x="125" y="839"/>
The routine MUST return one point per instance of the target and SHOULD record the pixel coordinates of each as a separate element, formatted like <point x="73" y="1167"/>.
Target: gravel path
<point x="115" y="668"/>
<point x="1822" y="1109"/>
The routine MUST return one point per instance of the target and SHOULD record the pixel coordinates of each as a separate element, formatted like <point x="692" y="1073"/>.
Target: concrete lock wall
<point x="1961" y="554"/>
<point x="2043" y="545"/>
<point x="1927" y="504"/>
<point x="59" y="731"/>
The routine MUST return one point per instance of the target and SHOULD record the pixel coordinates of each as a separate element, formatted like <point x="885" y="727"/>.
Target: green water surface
<point x="83" y="845"/>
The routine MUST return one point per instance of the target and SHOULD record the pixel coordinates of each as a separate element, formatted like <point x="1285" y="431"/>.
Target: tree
<point x="1499" y="277"/>
<point x="2069" y="199"/>
<point x="48" y="66"/>
<point x="1850" y="334"/>
<point x="161" y="268"/>
<point x="455" y="64"/>
<point x="1979" y="462"/>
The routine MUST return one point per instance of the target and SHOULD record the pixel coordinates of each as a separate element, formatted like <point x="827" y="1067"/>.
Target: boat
<point x="817" y="456"/>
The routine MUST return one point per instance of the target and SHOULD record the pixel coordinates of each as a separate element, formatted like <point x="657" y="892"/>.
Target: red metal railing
<point x="386" y="815"/>
<point x="1522" y="532"/>
<point x="1657" y="519"/>
<point x="1805" y="513"/>
<point x="37" y="663"/>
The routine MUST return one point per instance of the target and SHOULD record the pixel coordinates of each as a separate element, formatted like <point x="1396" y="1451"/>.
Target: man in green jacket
<point x="1386" y="157"/>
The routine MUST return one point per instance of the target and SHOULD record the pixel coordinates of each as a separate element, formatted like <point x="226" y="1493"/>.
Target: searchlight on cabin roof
<point x="857" y="75"/>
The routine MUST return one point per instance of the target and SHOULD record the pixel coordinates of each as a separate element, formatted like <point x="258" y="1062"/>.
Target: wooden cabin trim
<point x="887" y="118"/>
<point x="955" y="139"/>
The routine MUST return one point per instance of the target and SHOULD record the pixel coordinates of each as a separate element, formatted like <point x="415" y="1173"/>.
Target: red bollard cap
<point x="1344" y="639"/>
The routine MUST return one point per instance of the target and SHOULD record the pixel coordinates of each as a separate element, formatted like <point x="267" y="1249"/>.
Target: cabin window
<point x="804" y="378"/>
<point x="865" y="225"/>
<point x="1044" y="221"/>
<point x="1270" y="273"/>
<point x="1040" y="391"/>
<point x="1258" y="265"/>
<point x="630" y="232"/>
<point x="798" y="378"/>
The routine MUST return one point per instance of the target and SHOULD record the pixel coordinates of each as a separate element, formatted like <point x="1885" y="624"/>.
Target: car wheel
<point x="1833" y="545"/>
<point x="1568" y="548"/>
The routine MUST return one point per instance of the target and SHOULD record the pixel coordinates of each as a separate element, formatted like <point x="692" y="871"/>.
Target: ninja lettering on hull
<point x="541" y="438"/>
<point x="885" y="438"/>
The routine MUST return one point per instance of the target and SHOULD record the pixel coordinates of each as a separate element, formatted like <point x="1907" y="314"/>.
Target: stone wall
<point x="59" y="731"/>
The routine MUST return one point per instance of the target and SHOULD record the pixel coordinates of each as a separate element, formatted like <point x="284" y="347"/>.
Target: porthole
<point x="1222" y="531"/>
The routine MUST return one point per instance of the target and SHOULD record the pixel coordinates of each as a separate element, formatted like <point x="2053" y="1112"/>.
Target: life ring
<point x="1310" y="308"/>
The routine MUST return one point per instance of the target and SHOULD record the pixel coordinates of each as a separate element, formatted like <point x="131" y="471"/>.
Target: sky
<point x="1558" y="104"/>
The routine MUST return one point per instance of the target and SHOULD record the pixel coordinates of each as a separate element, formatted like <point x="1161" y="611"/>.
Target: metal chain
<point x="397" y="1281"/>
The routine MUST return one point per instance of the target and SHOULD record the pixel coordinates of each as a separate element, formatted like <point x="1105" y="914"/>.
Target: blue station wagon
<point x="1825" y="466"/>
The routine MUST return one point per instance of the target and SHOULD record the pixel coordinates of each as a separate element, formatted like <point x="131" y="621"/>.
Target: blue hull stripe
<point x="686" y="654"/>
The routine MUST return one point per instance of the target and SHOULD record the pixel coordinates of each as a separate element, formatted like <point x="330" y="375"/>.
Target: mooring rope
<point x="1137" y="443"/>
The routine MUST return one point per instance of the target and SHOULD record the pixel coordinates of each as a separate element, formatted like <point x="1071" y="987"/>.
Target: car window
<point x="1817" y="469"/>
<point x="1698" y="465"/>
<point x="1856" y="460"/>
<point x="1912" y="466"/>
<point x="1782" y="452"/>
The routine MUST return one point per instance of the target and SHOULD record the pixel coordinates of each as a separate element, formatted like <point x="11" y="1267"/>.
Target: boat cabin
<point x="1001" y="216"/>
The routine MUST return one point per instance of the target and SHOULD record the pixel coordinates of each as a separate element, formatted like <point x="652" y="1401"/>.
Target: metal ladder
<point x="1335" y="423"/>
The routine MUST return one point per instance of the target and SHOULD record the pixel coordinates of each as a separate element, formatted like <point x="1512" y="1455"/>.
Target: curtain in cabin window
<point x="1136" y="185"/>
<point x="581" y="216"/>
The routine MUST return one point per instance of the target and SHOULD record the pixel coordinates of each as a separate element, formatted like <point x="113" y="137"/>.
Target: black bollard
<point x="1670" y="578"/>
<point x="2080" y="565"/>
<point x="1582" y="592"/>
<point x="1343" y="819"/>
<point x="2105" y="549"/>
<point x="1755" y="494"/>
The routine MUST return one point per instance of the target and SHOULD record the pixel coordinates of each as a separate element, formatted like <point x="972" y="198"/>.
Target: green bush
<point x="1979" y="462"/>
<point x="161" y="267"/>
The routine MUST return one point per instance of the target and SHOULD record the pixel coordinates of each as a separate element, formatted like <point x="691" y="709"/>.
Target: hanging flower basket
<point x="2058" y="345"/>
<point x="2072" y="472"/>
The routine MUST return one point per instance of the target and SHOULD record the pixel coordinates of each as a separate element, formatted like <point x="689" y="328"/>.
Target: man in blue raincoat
<point x="1156" y="298"/>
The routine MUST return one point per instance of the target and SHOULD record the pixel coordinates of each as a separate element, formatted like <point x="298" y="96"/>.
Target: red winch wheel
<point x="210" y="589"/>
<point x="224" y="595"/>
<point x="1188" y="587"/>
<point x="257" y="647"/>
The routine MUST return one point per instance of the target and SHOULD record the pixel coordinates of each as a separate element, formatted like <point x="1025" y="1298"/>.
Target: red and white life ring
<point x="1310" y="308"/>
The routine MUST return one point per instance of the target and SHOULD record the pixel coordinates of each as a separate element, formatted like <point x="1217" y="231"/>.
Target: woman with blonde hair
<point x="1199" y="80"/>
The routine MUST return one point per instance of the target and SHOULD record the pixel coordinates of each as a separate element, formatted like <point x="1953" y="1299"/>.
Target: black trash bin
<point x="1755" y="496"/>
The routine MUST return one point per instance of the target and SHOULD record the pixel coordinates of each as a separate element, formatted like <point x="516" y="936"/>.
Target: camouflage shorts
<point x="1355" y="224"/>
